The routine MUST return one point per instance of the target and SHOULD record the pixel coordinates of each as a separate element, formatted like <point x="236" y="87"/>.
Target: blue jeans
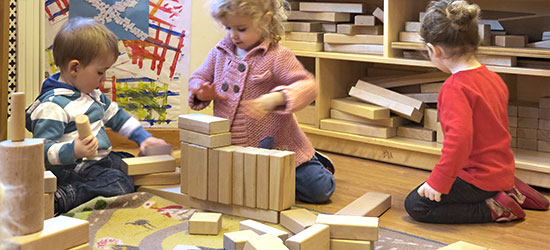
<point x="314" y="183"/>
<point x="77" y="184"/>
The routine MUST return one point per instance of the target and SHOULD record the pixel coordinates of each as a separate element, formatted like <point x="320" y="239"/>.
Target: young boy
<point x="83" y="50"/>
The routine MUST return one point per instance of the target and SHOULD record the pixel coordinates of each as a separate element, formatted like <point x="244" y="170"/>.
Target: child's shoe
<point x="325" y="161"/>
<point x="504" y="208"/>
<point x="528" y="197"/>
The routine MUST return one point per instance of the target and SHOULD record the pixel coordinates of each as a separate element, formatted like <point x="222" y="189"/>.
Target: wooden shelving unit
<point x="337" y="72"/>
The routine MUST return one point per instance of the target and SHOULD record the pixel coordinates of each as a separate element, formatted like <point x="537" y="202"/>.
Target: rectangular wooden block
<point x="306" y="115"/>
<point x="513" y="122"/>
<point x="512" y="110"/>
<point x="213" y="174"/>
<point x="238" y="176"/>
<point x="544" y="124"/>
<point x="148" y="164"/>
<point x="359" y="108"/>
<point x="528" y="110"/>
<point x="299" y="45"/>
<point x="439" y="133"/>
<point x="366" y="20"/>
<point x="336" y="244"/>
<point x="510" y="41"/>
<point x="304" y="26"/>
<point x="81" y="247"/>
<point x="184" y="167"/>
<point x="304" y="36"/>
<point x="539" y="44"/>
<point x="352" y="29"/>
<point x="315" y="237"/>
<point x="357" y="128"/>
<point x="514" y="143"/>
<point x="205" y="223"/>
<point x="526" y="122"/>
<point x="462" y="245"/>
<point x="430" y="119"/>
<point x="209" y="141"/>
<point x="543" y="146"/>
<point x="413" y="26"/>
<point x="353" y="39"/>
<point x="544" y="102"/>
<point x="424" y="97"/>
<point x="506" y="61"/>
<point x="282" y="180"/>
<point x="236" y="240"/>
<point x="165" y="178"/>
<point x="202" y="123"/>
<point x="484" y="31"/>
<point x="225" y="174"/>
<point x="296" y="220"/>
<point x="379" y="14"/>
<point x="429" y="77"/>
<point x="333" y="7"/>
<point x="530" y="144"/>
<point x="250" y="172"/>
<point x="371" y="204"/>
<point x="165" y="149"/>
<point x="328" y="27"/>
<point x="260" y="229"/>
<point x="544" y="114"/>
<point x="527" y="133"/>
<point x="416" y="132"/>
<point x="371" y="49"/>
<point x="412" y="37"/>
<point x="392" y="95"/>
<point x="50" y="182"/>
<point x="48" y="205"/>
<point x="60" y="232"/>
<point x="319" y="16"/>
<point x="392" y="122"/>
<point x="350" y="227"/>
<point x="198" y="172"/>
<point x="262" y="176"/>
<point x="264" y="242"/>
<point x="431" y="87"/>
<point x="543" y="135"/>
<point x="513" y="132"/>
<point x="399" y="108"/>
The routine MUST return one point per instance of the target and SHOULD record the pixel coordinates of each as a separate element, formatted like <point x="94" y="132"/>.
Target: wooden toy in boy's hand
<point x="84" y="130"/>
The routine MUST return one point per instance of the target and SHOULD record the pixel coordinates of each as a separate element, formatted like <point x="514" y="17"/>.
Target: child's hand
<point x="263" y="105"/>
<point x="86" y="147"/>
<point x="427" y="191"/>
<point x="151" y="141"/>
<point x="207" y="92"/>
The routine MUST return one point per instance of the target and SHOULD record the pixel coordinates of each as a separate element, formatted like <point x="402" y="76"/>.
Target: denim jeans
<point x="77" y="184"/>
<point x="465" y="203"/>
<point x="314" y="183"/>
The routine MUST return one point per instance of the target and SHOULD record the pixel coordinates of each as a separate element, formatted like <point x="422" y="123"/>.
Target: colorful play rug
<point x="147" y="222"/>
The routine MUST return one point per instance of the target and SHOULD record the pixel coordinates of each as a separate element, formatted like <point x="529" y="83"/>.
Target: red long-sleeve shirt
<point x="472" y="109"/>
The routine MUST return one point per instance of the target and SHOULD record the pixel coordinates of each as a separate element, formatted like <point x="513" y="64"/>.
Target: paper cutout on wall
<point x="57" y="10"/>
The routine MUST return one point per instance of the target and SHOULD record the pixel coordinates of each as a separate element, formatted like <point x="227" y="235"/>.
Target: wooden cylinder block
<point x="83" y="128"/>
<point x="22" y="174"/>
<point x="17" y="119"/>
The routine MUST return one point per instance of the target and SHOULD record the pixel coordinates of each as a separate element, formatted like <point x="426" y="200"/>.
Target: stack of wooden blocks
<point x="158" y="168"/>
<point x="50" y="185"/>
<point x="308" y="21"/>
<point x="529" y="124"/>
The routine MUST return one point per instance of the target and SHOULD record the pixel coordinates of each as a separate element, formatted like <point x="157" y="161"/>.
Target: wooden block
<point x="50" y="182"/>
<point x="296" y="220"/>
<point x="539" y="44"/>
<point x="413" y="26"/>
<point x="527" y="133"/>
<point x="510" y="41"/>
<point x="184" y="167"/>
<point x="544" y="114"/>
<point x="357" y="128"/>
<point x="351" y="245"/>
<point x="282" y="180"/>
<point x="306" y="115"/>
<point x="81" y="247"/>
<point x="407" y="89"/>
<point x="412" y="37"/>
<point x="392" y="122"/>
<point x="391" y="95"/>
<point x="362" y="109"/>
<point x="546" y="35"/>
<point x="225" y="174"/>
<point x="429" y="77"/>
<point x="371" y="49"/>
<point x="462" y="245"/>
<point x="371" y="204"/>
<point x="485" y="34"/>
<point x="366" y="20"/>
<point x="60" y="232"/>
<point x="543" y="146"/>
<point x="316" y="237"/>
<point x="238" y="176"/>
<point x="84" y="130"/>
<point x="401" y="109"/>
<point x="165" y="178"/>
<point x="298" y="45"/>
<point x="353" y="39"/>
<point x="527" y="122"/>
<point x="543" y="135"/>
<point x="544" y="124"/>
<point x="205" y="223"/>
<point x="513" y="122"/>
<point x="350" y="227"/>
<point x="416" y="132"/>
<point x="198" y="172"/>
<point x="421" y="15"/>
<point x="261" y="229"/>
<point x="430" y="119"/>
<point x="439" y="133"/>
<point x="431" y="87"/>
<point x="506" y="61"/>
<point x="173" y="193"/>
<point x="530" y="144"/>
<point x="202" y="123"/>
<point x="165" y="149"/>
<point x="148" y="164"/>
<point x="294" y="5"/>
<point x="236" y="240"/>
<point x="209" y="141"/>
<point x="262" y="176"/>
<point x="318" y="16"/>
<point x="528" y="110"/>
<point x="48" y="205"/>
<point x="352" y="29"/>
<point x="250" y="172"/>
<point x="213" y="174"/>
<point x="512" y="110"/>
<point x="328" y="27"/>
<point x="544" y="102"/>
<point x="379" y="14"/>
<point x="333" y="7"/>
<point x="513" y="132"/>
<point x="537" y="24"/>
<point x="424" y="97"/>
<point x="514" y="143"/>
<point x="304" y="36"/>
<point x="303" y="26"/>
<point x="264" y="242"/>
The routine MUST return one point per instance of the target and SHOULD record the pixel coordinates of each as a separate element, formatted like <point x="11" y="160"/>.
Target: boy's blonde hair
<point x="452" y="24"/>
<point x="83" y="39"/>
<point x="255" y="9"/>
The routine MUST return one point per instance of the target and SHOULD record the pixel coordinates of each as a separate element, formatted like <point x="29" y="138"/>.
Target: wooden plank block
<point x="328" y="27"/>
<point x="412" y="37"/>
<point x="350" y="227"/>
<point x="316" y="237"/>
<point x="198" y="172"/>
<point x="544" y="124"/>
<point x="50" y="182"/>
<point x="543" y="146"/>
<point x="225" y="174"/>
<point x="431" y="87"/>
<point x="304" y="36"/>
<point x="173" y="193"/>
<point x="293" y="6"/>
<point x="261" y="229"/>
<point x="148" y="164"/>
<point x="264" y="242"/>
<point x="545" y="35"/>
<point x="165" y="149"/>
<point x="484" y="31"/>
<point x="539" y="44"/>
<point x="379" y="14"/>
<point x="318" y="16"/>
<point x="403" y="110"/>
<point x="209" y="141"/>
<point x="213" y="174"/>
<point x="506" y="61"/>
<point x="526" y="122"/>
<point x="526" y="133"/>
<point x="517" y="26"/>
<point x="544" y="114"/>
<point x="353" y="39"/>
<point x="513" y="132"/>
<point x="298" y="45"/>
<point x="262" y="176"/>
<point x="282" y="180"/>
<point x="544" y="102"/>
<point x="429" y="77"/>
<point x="238" y="176"/>
<point x="352" y="29"/>
<point x="184" y="167"/>
<point x="366" y="20"/>
<point x="370" y="49"/>
<point x="303" y="26"/>
<point x="412" y="89"/>
<point x="357" y="128"/>
<point x="362" y="109"/>
<point x="60" y="232"/>
<point x="48" y="205"/>
<point x="336" y="244"/>
<point x="371" y="204"/>
<point x="306" y="115"/>
<point x="543" y="135"/>
<point x="430" y="119"/>
<point x="205" y="223"/>
<point x="462" y="245"/>
<point x="530" y="144"/>
<point x="296" y="220"/>
<point x="512" y="110"/>
<point x="528" y="109"/>
<point x="416" y="132"/>
<point x="333" y="7"/>
<point x="165" y="178"/>
<point x="424" y="97"/>
<point x="439" y="133"/>
<point x="202" y="123"/>
<point x="513" y="122"/>
<point x="236" y="240"/>
<point x="413" y="26"/>
<point x="250" y="173"/>
<point x="514" y="142"/>
<point x="392" y="122"/>
<point x="392" y="95"/>
<point x="510" y="41"/>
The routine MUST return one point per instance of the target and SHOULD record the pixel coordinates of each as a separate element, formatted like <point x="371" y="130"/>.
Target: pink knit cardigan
<point x="266" y="68"/>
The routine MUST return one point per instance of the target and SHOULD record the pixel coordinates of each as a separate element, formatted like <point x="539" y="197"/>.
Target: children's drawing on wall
<point x="153" y="57"/>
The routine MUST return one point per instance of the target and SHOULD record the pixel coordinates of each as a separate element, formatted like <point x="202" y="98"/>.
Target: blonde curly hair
<point x="255" y="9"/>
